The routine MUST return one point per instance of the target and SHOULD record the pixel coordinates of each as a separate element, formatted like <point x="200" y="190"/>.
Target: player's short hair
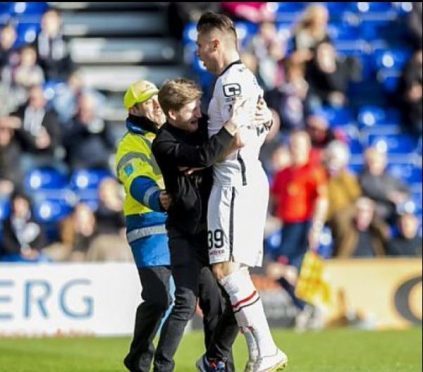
<point x="210" y="21"/>
<point x="176" y="93"/>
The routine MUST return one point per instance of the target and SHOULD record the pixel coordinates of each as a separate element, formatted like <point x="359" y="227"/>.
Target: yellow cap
<point x="139" y="92"/>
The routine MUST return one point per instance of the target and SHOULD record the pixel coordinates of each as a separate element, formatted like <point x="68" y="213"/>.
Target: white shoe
<point x="272" y="363"/>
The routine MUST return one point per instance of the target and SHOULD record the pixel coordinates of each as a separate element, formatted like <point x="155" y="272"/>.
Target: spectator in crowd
<point x="255" y="12"/>
<point x="88" y="138"/>
<point x="23" y="238"/>
<point x="363" y="235"/>
<point x="378" y="185"/>
<point x="110" y="243"/>
<point x="311" y="30"/>
<point x="407" y="242"/>
<point x="343" y="186"/>
<point x="321" y="135"/>
<point x="40" y="134"/>
<point x="77" y="233"/>
<point x="271" y="155"/>
<point x="290" y="99"/>
<point x="53" y="54"/>
<point x="65" y="101"/>
<point x="252" y="63"/>
<point x="414" y="23"/>
<point x="28" y="73"/>
<point x="300" y="196"/>
<point x="8" y="54"/>
<point x="269" y="48"/>
<point x="11" y="174"/>
<point x="328" y="76"/>
<point x="410" y="93"/>
<point x="9" y="58"/>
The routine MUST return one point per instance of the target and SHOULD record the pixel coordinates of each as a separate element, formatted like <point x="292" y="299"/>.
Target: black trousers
<point x="157" y="299"/>
<point x="194" y="280"/>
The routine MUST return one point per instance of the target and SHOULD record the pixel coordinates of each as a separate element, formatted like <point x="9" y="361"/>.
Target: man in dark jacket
<point x="184" y="156"/>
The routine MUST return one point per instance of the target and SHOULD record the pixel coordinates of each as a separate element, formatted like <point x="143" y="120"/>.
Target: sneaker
<point x="272" y="363"/>
<point x="205" y="365"/>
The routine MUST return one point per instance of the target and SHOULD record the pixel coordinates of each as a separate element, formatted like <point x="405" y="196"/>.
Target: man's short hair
<point x="175" y="94"/>
<point x="210" y="21"/>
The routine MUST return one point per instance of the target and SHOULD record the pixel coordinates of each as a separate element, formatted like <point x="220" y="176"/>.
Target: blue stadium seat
<point x="384" y="121"/>
<point x="189" y="34"/>
<point x="374" y="11"/>
<point x="4" y="208"/>
<point x="272" y="243"/>
<point x="289" y="11"/>
<point x="245" y="32"/>
<point x="29" y="8"/>
<point x="290" y="7"/>
<point x="27" y="33"/>
<point x="326" y="243"/>
<point x="390" y="79"/>
<point x="394" y="144"/>
<point x="5" y="8"/>
<point x="51" y="211"/>
<point x="355" y="146"/>
<point x="356" y="168"/>
<point x="408" y="173"/>
<point x="85" y="183"/>
<point x="338" y="116"/>
<point x="84" y="179"/>
<point x="45" y="178"/>
<point x="343" y="32"/>
<point x="391" y="58"/>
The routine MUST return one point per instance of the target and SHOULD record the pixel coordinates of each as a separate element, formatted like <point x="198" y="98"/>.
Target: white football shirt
<point x="237" y="82"/>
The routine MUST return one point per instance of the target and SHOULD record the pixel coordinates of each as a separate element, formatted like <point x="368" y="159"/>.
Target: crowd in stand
<point x="304" y="77"/>
<point x="60" y="130"/>
<point x="369" y="213"/>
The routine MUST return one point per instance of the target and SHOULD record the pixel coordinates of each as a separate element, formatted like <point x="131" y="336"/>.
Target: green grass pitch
<point x="342" y="350"/>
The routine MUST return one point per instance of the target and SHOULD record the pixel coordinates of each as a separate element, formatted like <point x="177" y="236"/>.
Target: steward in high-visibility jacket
<point x="140" y="175"/>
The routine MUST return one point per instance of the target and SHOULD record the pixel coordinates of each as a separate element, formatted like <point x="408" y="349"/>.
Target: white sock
<point x="248" y="310"/>
<point x="253" y="353"/>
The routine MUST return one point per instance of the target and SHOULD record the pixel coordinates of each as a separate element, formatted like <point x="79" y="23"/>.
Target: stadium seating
<point x="85" y="183"/>
<point x="395" y="144"/>
<point x="4" y="208"/>
<point x="51" y="211"/>
<point x="45" y="178"/>
<point x="28" y="8"/>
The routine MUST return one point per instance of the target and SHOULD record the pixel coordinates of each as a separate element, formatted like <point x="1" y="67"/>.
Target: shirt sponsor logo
<point x="232" y="90"/>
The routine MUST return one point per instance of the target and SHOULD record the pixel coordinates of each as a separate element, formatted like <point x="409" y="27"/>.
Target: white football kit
<point x="240" y="193"/>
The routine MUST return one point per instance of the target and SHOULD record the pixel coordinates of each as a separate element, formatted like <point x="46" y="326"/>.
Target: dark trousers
<point x="294" y="245"/>
<point x="193" y="280"/>
<point x="157" y="299"/>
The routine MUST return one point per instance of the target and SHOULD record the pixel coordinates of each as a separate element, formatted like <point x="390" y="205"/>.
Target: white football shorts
<point x="236" y="219"/>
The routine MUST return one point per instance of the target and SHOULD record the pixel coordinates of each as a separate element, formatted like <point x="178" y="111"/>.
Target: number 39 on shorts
<point x="215" y="239"/>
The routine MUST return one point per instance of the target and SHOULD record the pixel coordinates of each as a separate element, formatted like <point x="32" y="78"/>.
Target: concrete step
<point x="111" y="24"/>
<point x="124" y="51"/>
<point x="113" y="78"/>
<point x="101" y="5"/>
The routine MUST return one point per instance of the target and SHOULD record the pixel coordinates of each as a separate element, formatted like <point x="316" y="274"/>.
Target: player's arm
<point x="185" y="155"/>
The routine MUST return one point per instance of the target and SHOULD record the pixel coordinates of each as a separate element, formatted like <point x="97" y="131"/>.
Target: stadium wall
<point x="100" y="299"/>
